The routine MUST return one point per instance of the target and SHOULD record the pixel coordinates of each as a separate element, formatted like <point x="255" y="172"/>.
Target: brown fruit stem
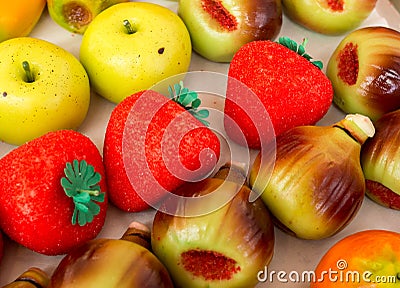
<point x="231" y="173"/>
<point x="138" y="233"/>
<point x="359" y="126"/>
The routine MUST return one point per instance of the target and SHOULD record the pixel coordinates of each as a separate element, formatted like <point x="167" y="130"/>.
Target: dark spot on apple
<point x="210" y="265"/>
<point x="161" y="50"/>
<point x="348" y="64"/>
<point x="4" y="94"/>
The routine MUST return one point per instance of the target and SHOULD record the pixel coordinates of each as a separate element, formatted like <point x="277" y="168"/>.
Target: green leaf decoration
<point x="299" y="49"/>
<point x="189" y="100"/>
<point x="81" y="184"/>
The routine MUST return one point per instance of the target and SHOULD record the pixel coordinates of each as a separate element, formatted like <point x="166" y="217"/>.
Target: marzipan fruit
<point x="76" y="15"/>
<point x="19" y="17"/>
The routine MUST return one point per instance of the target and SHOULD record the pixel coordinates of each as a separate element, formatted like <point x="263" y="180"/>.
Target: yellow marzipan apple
<point x="42" y="88"/>
<point x="131" y="46"/>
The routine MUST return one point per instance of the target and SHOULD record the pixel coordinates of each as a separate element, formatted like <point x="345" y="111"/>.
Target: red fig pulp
<point x="218" y="12"/>
<point x="380" y="159"/>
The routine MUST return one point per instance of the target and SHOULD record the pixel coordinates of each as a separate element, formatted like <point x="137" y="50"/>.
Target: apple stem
<point x="29" y="75"/>
<point x="129" y="27"/>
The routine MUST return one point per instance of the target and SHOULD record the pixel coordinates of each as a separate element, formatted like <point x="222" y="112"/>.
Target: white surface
<point x="291" y="254"/>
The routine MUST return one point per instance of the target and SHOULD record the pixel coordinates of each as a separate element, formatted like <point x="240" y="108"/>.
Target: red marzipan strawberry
<point x="53" y="192"/>
<point x="291" y="87"/>
<point x="148" y="138"/>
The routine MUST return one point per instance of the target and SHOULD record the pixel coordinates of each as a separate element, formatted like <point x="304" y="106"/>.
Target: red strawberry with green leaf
<point x="283" y="80"/>
<point x="154" y="143"/>
<point x="53" y="192"/>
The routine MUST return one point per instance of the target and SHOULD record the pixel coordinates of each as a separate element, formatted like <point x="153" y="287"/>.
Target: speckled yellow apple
<point x="42" y="88"/>
<point x="131" y="46"/>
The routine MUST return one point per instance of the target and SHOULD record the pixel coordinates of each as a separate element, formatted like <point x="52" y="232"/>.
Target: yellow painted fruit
<point x="124" y="59"/>
<point x="19" y="17"/>
<point x="56" y="97"/>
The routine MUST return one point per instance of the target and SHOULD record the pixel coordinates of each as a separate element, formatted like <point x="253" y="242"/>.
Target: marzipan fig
<point x="380" y="160"/>
<point x="76" y="15"/>
<point x="32" y="278"/>
<point x="317" y="184"/>
<point x="365" y="72"/>
<point x="225" y="247"/>
<point x="218" y="28"/>
<point x="109" y="263"/>
<point x="329" y="17"/>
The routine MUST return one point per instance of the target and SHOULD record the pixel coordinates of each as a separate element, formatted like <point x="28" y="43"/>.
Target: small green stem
<point x="128" y="27"/>
<point x="29" y="75"/>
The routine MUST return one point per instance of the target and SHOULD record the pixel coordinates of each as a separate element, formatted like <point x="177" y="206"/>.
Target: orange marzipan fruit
<point x="369" y="258"/>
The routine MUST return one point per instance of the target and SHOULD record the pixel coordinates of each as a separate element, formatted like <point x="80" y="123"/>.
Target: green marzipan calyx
<point x="299" y="49"/>
<point x="189" y="100"/>
<point x="81" y="184"/>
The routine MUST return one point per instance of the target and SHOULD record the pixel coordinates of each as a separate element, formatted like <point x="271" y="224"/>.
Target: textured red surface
<point x="348" y="64"/>
<point x="34" y="209"/>
<point x="160" y="136"/>
<point x="383" y="195"/>
<point x="215" y="266"/>
<point x="336" y="5"/>
<point x="292" y="90"/>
